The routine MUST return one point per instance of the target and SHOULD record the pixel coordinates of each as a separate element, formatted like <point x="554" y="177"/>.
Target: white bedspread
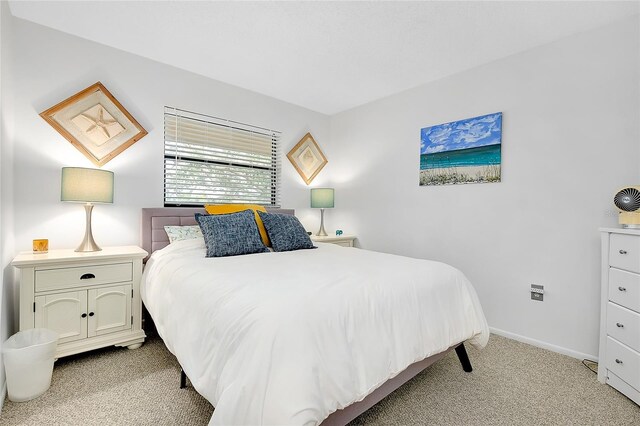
<point x="288" y="338"/>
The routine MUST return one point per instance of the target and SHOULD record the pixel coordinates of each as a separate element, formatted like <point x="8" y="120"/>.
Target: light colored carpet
<point x="512" y="384"/>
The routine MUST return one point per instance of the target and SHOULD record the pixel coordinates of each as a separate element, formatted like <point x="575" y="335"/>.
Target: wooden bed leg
<point x="464" y="358"/>
<point x="183" y="378"/>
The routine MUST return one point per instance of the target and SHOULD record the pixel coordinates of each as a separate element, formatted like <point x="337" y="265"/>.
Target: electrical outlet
<point x="537" y="292"/>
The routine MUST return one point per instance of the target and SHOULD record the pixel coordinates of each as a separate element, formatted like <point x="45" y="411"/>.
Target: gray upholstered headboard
<point x="153" y="237"/>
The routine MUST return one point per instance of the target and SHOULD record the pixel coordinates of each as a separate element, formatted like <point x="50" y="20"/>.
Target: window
<point x="208" y="160"/>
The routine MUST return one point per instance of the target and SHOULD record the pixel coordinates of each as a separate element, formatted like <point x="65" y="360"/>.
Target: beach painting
<point x="464" y="151"/>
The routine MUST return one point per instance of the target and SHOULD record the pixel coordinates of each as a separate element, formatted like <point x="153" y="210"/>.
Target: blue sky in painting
<point x="469" y="133"/>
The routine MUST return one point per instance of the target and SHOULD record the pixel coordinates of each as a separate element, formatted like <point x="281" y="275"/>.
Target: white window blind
<point x="208" y="160"/>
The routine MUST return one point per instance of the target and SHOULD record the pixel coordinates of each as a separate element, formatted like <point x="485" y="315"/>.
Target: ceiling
<point x="325" y="56"/>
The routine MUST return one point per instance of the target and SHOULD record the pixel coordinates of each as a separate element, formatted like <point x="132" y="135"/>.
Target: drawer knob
<point x="622" y="252"/>
<point x="84" y="315"/>
<point x="622" y="288"/>
<point x="618" y="361"/>
<point x="619" y="325"/>
<point x="87" y="277"/>
<point x="91" y="314"/>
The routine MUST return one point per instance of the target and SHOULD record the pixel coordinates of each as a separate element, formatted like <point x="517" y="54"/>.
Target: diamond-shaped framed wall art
<point x="95" y="123"/>
<point x="307" y="158"/>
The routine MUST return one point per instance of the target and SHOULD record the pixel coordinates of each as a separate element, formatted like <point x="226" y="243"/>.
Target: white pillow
<point x="178" y="233"/>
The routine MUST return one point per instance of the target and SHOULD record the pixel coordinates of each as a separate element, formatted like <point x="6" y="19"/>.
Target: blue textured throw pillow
<point x="285" y="232"/>
<point x="230" y="234"/>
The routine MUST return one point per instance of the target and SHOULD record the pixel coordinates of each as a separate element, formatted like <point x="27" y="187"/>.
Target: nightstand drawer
<point x="338" y="240"/>
<point x="623" y="362"/>
<point x="624" y="289"/>
<point x="623" y="325"/>
<point x="624" y="252"/>
<point x="64" y="278"/>
<point x="344" y="243"/>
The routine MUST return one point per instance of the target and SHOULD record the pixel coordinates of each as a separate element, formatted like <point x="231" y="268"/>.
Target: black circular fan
<point x="627" y="199"/>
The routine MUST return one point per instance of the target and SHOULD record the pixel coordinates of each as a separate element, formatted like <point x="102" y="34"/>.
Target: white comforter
<point x="288" y="338"/>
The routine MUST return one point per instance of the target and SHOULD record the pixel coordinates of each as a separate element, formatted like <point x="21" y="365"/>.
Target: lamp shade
<point x="322" y="198"/>
<point x="86" y="185"/>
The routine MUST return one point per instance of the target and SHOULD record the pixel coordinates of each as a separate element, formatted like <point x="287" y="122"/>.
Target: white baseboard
<point x="3" y="395"/>
<point x="543" y="345"/>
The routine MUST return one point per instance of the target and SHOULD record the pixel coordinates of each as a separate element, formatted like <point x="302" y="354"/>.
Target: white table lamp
<point x="88" y="186"/>
<point x="322" y="198"/>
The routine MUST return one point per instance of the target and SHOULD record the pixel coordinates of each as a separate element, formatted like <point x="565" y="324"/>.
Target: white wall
<point x="571" y="138"/>
<point x="7" y="299"/>
<point x="53" y="66"/>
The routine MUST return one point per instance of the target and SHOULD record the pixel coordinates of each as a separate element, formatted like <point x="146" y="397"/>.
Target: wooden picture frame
<point x="95" y="123"/>
<point x="307" y="158"/>
<point x="461" y="152"/>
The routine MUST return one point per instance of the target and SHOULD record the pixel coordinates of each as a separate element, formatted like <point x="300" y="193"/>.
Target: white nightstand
<point x="91" y="299"/>
<point x="342" y="240"/>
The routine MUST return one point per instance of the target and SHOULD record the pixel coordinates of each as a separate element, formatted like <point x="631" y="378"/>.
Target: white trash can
<point x="28" y="361"/>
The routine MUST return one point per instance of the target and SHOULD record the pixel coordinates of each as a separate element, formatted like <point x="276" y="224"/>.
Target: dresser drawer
<point x="624" y="288"/>
<point x="623" y="325"/>
<point x="64" y="278"/>
<point x="631" y="393"/>
<point x="624" y="252"/>
<point x="623" y="362"/>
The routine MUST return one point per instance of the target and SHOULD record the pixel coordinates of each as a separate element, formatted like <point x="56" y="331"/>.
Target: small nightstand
<point x="91" y="299"/>
<point x="342" y="240"/>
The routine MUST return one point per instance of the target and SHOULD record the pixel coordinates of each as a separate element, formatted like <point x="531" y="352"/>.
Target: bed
<point x="303" y="337"/>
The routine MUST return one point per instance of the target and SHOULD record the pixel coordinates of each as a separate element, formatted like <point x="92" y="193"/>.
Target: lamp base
<point x="321" y="231"/>
<point x="88" y="244"/>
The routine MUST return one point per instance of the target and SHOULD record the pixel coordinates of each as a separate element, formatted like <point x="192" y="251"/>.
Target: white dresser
<point x="619" y="359"/>
<point x="91" y="299"/>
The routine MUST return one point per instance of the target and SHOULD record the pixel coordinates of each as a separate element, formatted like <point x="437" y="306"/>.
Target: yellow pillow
<point x="234" y="208"/>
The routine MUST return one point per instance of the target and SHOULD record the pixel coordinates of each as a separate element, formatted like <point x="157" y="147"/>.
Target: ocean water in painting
<point x="464" y="151"/>
<point x="480" y="156"/>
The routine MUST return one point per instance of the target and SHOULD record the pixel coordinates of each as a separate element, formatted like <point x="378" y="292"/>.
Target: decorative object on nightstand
<point x="41" y="246"/>
<point x="307" y="158"/>
<point x="619" y="357"/>
<point x="341" y="240"/>
<point x="91" y="300"/>
<point x="88" y="186"/>
<point x="322" y="198"/>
